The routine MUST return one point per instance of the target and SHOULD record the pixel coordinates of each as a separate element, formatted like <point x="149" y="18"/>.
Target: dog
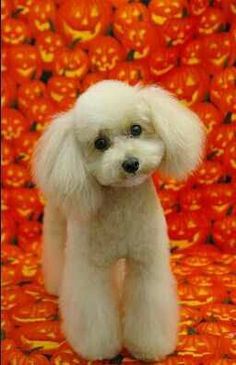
<point x="94" y="165"/>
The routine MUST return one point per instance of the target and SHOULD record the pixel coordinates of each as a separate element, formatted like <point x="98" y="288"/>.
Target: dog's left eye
<point x="102" y="143"/>
<point x="135" y="130"/>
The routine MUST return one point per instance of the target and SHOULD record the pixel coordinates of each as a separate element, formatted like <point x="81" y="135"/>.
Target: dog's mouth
<point x="131" y="180"/>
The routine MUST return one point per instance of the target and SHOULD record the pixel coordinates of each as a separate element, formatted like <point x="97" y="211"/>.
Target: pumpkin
<point x="65" y="354"/>
<point x="72" y="63"/>
<point x="127" y="15"/>
<point x="178" y="31"/>
<point x="210" y="21"/>
<point x="16" y="356"/>
<point x="29" y="267"/>
<point x="219" y="139"/>
<point x="11" y="275"/>
<point x="91" y="79"/>
<point x="25" y="63"/>
<point x="169" y="200"/>
<point x="11" y="254"/>
<point x="219" y="198"/>
<point x="6" y="325"/>
<point x="45" y="336"/>
<point x="104" y="53"/>
<point x="209" y="115"/>
<point x="208" y="173"/>
<point x="29" y="92"/>
<point x="24" y="147"/>
<point x="230" y="158"/>
<point x="131" y="72"/>
<point x="83" y="20"/>
<point x="162" y="60"/>
<point x="6" y="9"/>
<point x="218" y="311"/>
<point x="191" y="199"/>
<point x="22" y="7"/>
<point x="200" y="346"/>
<point x="192" y="52"/>
<point x="188" y="83"/>
<point x="224" y="233"/>
<point x="218" y="328"/>
<point x="220" y="361"/>
<point x="14" y="31"/>
<point x="8" y="89"/>
<point x="223" y="83"/>
<point x="161" y="11"/>
<point x="8" y="154"/>
<point x="12" y="295"/>
<point x="40" y="113"/>
<point x="60" y="88"/>
<point x="36" y="312"/>
<point x="197" y="7"/>
<point x="8" y="229"/>
<point x="14" y="124"/>
<point x="48" y="43"/>
<point x="28" y="234"/>
<point x="15" y="176"/>
<point x="5" y="59"/>
<point x="27" y="204"/>
<point x="42" y="16"/>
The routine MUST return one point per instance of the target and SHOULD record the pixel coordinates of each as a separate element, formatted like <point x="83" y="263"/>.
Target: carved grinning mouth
<point x="82" y="35"/>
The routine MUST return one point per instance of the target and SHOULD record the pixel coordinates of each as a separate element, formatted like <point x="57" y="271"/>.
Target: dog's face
<point x="115" y="135"/>
<point x="119" y="143"/>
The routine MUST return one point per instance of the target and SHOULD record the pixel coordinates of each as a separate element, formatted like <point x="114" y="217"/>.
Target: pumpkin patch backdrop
<point x="52" y="52"/>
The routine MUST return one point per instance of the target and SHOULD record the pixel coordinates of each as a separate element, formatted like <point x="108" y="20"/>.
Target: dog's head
<point x="116" y="135"/>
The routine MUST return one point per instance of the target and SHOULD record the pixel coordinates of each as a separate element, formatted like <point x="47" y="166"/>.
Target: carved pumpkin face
<point x="15" y="176"/>
<point x="197" y="7"/>
<point x="36" y="312"/>
<point x="191" y="199"/>
<point x="127" y="15"/>
<point x="219" y="198"/>
<point x="42" y="15"/>
<point x="224" y="233"/>
<point x="130" y="72"/>
<point x="230" y="157"/>
<point x="221" y="83"/>
<point x="22" y="7"/>
<point x="200" y="345"/>
<point x="178" y="31"/>
<point x="28" y="93"/>
<point x="105" y="52"/>
<point x="208" y="173"/>
<point x="210" y="21"/>
<point x="219" y="139"/>
<point x="162" y="60"/>
<point x="60" y="88"/>
<point x="161" y="11"/>
<point x="169" y="200"/>
<point x="25" y="63"/>
<point x="209" y="114"/>
<point x="24" y="147"/>
<point x="48" y="43"/>
<point x="82" y="20"/>
<point x="72" y="63"/>
<point x="27" y="203"/>
<point x="14" y="31"/>
<point x="13" y="124"/>
<point x="40" y="113"/>
<point x="192" y="52"/>
<point x="8" y="154"/>
<point x="18" y="357"/>
<point x="188" y="83"/>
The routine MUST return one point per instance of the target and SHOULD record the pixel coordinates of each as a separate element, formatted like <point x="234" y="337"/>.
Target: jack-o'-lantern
<point x="208" y="173"/>
<point x="22" y="7"/>
<point x="8" y="232"/>
<point x="218" y="311"/>
<point x="140" y="39"/>
<point x="14" y="124"/>
<point x="8" y="91"/>
<point x="130" y="72"/>
<point x="193" y="295"/>
<point x="45" y="335"/>
<point x="60" y="88"/>
<point x="192" y="52"/>
<point x="6" y="9"/>
<point x="223" y="82"/>
<point x="15" y="176"/>
<point x="16" y="356"/>
<point x="197" y="7"/>
<point x="29" y="92"/>
<point x="218" y="328"/>
<point x="48" y="43"/>
<point x="219" y="198"/>
<point x="163" y="60"/>
<point x="10" y="275"/>
<point x="224" y="233"/>
<point x="91" y="79"/>
<point x="25" y="63"/>
<point x="24" y="147"/>
<point x="12" y="296"/>
<point x="104" y="53"/>
<point x="230" y="158"/>
<point x="40" y="113"/>
<point x="219" y="139"/>
<point x="161" y="11"/>
<point x="42" y="16"/>
<point x="29" y="235"/>
<point x="11" y="254"/>
<point x="83" y="20"/>
<point x="186" y="228"/>
<point x="191" y="199"/>
<point x="14" y="31"/>
<point x="169" y="200"/>
<point x="210" y="21"/>
<point x="188" y="83"/>
<point x="209" y="115"/>
<point x="200" y="346"/>
<point x="27" y="204"/>
<point x="217" y="49"/>
<point x="37" y="312"/>
<point x="65" y="354"/>
<point x="127" y="15"/>
<point x="8" y="153"/>
<point x="72" y="63"/>
<point x="178" y="31"/>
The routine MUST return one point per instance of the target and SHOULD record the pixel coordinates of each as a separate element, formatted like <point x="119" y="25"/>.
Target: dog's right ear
<point x="59" y="168"/>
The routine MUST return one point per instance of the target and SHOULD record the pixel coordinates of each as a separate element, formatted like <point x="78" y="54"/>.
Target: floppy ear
<point x="59" y="169"/>
<point x="180" y="129"/>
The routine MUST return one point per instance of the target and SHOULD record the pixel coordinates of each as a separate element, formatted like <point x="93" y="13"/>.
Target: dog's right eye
<point x="102" y="143"/>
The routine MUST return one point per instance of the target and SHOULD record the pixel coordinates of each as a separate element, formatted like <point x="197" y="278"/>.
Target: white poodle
<point x="94" y="165"/>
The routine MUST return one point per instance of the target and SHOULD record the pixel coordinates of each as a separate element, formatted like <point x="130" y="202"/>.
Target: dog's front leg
<point x="151" y="310"/>
<point x="90" y="315"/>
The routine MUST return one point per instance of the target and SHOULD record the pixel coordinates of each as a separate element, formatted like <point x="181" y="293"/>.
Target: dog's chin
<point x="130" y="181"/>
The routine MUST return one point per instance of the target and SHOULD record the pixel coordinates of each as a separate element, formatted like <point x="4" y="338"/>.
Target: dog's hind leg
<point x="54" y="237"/>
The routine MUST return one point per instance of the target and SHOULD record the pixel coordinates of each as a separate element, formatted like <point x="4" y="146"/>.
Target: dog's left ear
<point x="180" y="129"/>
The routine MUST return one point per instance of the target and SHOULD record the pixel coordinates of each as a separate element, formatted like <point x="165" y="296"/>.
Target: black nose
<point x="130" y="165"/>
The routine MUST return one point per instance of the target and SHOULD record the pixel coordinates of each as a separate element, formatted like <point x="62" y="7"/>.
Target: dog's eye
<point x="102" y="143"/>
<point x="135" y="130"/>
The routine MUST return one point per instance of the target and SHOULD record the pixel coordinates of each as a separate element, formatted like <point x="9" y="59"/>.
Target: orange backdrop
<point x="53" y="51"/>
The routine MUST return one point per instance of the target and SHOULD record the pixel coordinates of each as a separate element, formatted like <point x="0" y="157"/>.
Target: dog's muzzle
<point x="131" y="165"/>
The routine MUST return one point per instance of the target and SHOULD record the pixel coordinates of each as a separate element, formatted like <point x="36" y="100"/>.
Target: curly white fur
<point x="106" y="214"/>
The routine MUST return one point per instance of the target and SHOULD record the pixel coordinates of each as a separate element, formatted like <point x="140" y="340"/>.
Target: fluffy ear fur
<point x="59" y="169"/>
<point x="179" y="128"/>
